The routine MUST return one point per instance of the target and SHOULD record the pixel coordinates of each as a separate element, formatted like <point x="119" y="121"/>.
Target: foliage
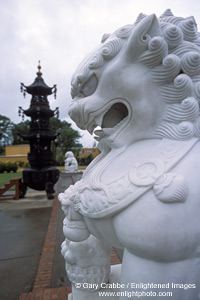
<point x="5" y="132"/>
<point x="21" y="164"/>
<point x="55" y="125"/>
<point x="2" y="167"/>
<point x="60" y="160"/>
<point x="10" y="166"/>
<point x="27" y="165"/>
<point x="67" y="137"/>
<point x="85" y="161"/>
<point x="2" y="150"/>
<point x="18" y="131"/>
<point x="14" y="167"/>
<point x="68" y="140"/>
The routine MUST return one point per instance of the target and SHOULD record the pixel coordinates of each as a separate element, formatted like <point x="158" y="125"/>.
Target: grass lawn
<point x="5" y="177"/>
<point x="80" y="168"/>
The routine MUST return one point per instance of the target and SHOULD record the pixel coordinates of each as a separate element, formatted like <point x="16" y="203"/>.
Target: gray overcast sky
<point x="60" y="33"/>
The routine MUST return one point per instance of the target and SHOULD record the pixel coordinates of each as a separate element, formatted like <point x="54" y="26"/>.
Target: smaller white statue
<point x="71" y="164"/>
<point x="87" y="263"/>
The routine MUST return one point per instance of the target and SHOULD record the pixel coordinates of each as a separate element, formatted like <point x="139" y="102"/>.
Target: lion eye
<point x="90" y="86"/>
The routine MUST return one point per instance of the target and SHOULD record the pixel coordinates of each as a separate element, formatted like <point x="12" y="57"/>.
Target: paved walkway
<point x="43" y="285"/>
<point x="23" y="227"/>
<point x="40" y="272"/>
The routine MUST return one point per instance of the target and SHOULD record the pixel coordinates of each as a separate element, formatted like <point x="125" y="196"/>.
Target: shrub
<point x="10" y="166"/>
<point x="21" y="164"/>
<point x="14" y="167"/>
<point x="26" y="165"/>
<point x="2" y="167"/>
<point x="85" y="161"/>
<point x="60" y="160"/>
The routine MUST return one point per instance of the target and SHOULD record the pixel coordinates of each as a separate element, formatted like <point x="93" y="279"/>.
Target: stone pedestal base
<point x="78" y="294"/>
<point x="66" y="179"/>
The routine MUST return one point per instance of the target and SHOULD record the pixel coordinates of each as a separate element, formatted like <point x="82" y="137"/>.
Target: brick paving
<point x="47" y="294"/>
<point x="44" y="273"/>
<point x="42" y="289"/>
<point x="114" y="260"/>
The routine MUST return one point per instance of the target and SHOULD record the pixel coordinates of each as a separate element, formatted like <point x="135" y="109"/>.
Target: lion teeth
<point x="98" y="131"/>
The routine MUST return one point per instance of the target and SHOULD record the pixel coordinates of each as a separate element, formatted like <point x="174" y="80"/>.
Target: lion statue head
<point x="142" y="82"/>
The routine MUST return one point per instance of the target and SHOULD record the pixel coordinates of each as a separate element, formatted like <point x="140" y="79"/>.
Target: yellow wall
<point x="20" y="152"/>
<point x="16" y="153"/>
<point x="87" y="151"/>
<point x="17" y="150"/>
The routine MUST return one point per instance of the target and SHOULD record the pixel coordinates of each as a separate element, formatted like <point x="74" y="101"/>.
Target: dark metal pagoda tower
<point x="41" y="175"/>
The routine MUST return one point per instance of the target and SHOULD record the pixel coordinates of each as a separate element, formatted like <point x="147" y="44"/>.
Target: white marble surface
<point x="78" y="294"/>
<point x="139" y="94"/>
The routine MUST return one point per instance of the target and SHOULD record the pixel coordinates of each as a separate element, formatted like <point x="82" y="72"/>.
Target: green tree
<point x="68" y="138"/>
<point x="85" y="161"/>
<point x="5" y="133"/>
<point x="55" y="125"/>
<point x="18" y="131"/>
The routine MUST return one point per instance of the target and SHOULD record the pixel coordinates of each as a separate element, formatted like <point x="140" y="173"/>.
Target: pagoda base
<point x="41" y="179"/>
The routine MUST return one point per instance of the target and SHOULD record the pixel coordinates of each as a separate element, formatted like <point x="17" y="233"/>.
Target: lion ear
<point x="147" y="28"/>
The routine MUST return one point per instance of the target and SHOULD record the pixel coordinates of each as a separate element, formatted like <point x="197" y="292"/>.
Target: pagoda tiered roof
<point x="38" y="87"/>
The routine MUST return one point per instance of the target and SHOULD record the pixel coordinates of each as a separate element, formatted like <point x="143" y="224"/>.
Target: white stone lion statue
<point x="71" y="164"/>
<point x="139" y="94"/>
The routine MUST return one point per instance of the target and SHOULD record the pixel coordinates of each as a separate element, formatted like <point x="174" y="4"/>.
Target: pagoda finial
<point x="39" y="68"/>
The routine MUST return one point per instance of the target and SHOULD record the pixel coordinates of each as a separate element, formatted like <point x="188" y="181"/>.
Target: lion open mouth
<point x="114" y="115"/>
<point x="112" y="119"/>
